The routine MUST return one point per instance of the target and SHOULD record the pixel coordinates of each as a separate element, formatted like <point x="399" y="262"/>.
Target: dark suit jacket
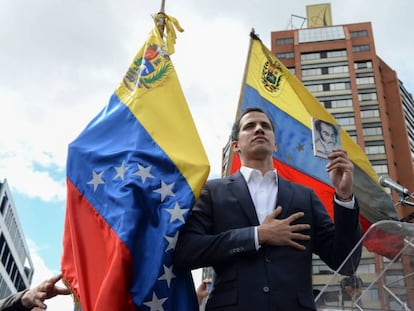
<point x="13" y="303"/>
<point x="220" y="233"/>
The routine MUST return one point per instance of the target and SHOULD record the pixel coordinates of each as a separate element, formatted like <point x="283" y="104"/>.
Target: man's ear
<point x="235" y="146"/>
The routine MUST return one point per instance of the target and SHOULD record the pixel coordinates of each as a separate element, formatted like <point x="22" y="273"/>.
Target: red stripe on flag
<point x="106" y="281"/>
<point x="322" y="190"/>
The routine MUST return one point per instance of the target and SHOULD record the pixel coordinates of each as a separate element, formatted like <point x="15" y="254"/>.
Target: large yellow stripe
<point x="163" y="112"/>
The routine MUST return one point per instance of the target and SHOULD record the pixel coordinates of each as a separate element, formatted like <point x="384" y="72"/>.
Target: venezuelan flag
<point x="133" y="175"/>
<point x="272" y="87"/>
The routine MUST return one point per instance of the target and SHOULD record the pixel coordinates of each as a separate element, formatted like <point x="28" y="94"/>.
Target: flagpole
<point x="160" y="19"/>
<point x="162" y="6"/>
<point x="244" y="80"/>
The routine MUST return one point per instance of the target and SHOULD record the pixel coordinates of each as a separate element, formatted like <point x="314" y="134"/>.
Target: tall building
<point x="16" y="266"/>
<point x="339" y="65"/>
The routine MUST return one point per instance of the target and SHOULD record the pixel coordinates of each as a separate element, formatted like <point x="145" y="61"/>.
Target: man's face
<point x="328" y="134"/>
<point x="256" y="136"/>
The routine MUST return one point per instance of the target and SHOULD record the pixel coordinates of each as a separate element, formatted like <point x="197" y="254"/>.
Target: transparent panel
<point x="387" y="284"/>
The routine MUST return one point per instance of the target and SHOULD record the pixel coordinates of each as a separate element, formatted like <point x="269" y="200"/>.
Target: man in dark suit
<point x="262" y="255"/>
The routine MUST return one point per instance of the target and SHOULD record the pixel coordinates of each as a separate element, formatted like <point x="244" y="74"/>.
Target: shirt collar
<point x="248" y="173"/>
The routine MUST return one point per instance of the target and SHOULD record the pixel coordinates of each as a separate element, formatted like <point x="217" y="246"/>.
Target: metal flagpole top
<point x="162" y="10"/>
<point x="160" y="19"/>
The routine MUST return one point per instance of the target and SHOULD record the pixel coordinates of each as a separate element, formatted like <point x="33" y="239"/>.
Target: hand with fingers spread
<point x="35" y="297"/>
<point x="280" y="232"/>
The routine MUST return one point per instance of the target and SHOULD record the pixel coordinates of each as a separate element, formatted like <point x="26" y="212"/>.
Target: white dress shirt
<point x="263" y="191"/>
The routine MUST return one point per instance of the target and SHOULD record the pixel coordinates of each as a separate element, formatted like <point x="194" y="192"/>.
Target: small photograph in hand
<point x="325" y="136"/>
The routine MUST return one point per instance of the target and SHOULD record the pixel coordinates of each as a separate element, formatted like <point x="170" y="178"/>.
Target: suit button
<point x="266" y="289"/>
<point x="267" y="260"/>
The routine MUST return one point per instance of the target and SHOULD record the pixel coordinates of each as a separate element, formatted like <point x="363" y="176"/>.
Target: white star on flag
<point x="165" y="190"/>
<point x="155" y="304"/>
<point x="120" y="171"/>
<point x="168" y="275"/>
<point x="177" y="213"/>
<point x="96" y="180"/>
<point x="172" y="241"/>
<point x="144" y="173"/>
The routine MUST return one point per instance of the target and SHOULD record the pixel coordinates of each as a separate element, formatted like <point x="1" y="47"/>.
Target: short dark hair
<point x="236" y="125"/>
<point x="318" y="126"/>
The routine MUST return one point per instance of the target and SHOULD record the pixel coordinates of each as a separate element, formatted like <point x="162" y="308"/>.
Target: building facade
<point x="16" y="266"/>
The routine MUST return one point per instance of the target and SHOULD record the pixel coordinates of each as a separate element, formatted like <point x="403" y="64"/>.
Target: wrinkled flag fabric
<point x="133" y="175"/>
<point x="272" y="87"/>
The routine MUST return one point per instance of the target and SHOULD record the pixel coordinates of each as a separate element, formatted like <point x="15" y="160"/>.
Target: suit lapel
<point x="284" y="196"/>
<point x="238" y="187"/>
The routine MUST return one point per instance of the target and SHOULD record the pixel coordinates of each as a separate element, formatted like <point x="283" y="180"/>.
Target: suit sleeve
<point x="200" y="244"/>
<point x="346" y="235"/>
<point x="13" y="303"/>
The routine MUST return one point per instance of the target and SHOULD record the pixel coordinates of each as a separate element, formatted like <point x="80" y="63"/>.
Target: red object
<point x="104" y="282"/>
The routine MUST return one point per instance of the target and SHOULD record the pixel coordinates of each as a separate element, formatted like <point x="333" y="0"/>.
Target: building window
<point x="380" y="149"/>
<point x="4" y="202"/>
<point x="4" y="289"/>
<point x="367" y="97"/>
<point x="284" y="41"/>
<point x="315" y="88"/>
<point x="360" y="33"/>
<point x="327" y="104"/>
<point x="363" y="65"/>
<point x="381" y="169"/>
<point x="3" y="244"/>
<point x="5" y="255"/>
<point x="338" y="69"/>
<point x="329" y="87"/>
<point x="311" y="72"/>
<point x="310" y="56"/>
<point x="372" y="131"/>
<point x="292" y="70"/>
<point x="321" y="34"/>
<point x="319" y="55"/>
<point x="10" y="265"/>
<point x="365" y="80"/>
<point x="360" y="48"/>
<point x="339" y="103"/>
<point x="342" y="103"/>
<point x="285" y="55"/>
<point x="347" y="121"/>
<point x="333" y="54"/>
<point x="324" y="71"/>
<point x="340" y="86"/>
<point x="374" y="113"/>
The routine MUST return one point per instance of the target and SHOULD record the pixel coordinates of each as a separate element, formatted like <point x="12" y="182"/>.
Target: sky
<point x="61" y="61"/>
